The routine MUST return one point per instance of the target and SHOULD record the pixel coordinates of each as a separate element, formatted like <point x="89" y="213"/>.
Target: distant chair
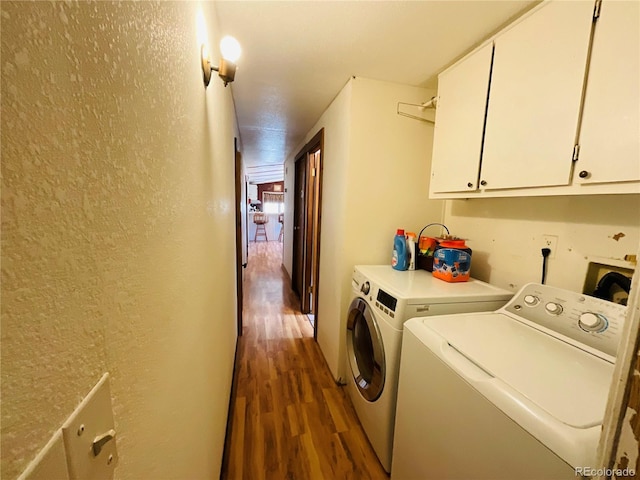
<point x="260" y="219"/>
<point x="281" y="222"/>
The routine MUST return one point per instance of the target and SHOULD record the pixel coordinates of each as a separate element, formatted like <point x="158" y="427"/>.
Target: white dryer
<point x="382" y="300"/>
<point x="517" y="393"/>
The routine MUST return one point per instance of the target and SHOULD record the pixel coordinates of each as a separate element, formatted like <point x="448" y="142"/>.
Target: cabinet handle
<point x="583" y="174"/>
<point x="483" y="182"/>
<point x="469" y="184"/>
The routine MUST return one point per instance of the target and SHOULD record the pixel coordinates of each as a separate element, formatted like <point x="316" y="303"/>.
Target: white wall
<point x="117" y="231"/>
<point x="375" y="182"/>
<point x="335" y="121"/>
<point x="505" y="235"/>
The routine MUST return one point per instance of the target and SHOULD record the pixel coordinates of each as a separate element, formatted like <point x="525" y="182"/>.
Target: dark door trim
<point x="239" y="233"/>
<point x="306" y="276"/>
<point x="299" y="228"/>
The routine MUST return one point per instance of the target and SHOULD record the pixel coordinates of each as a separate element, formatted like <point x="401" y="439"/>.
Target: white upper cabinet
<point x="558" y="113"/>
<point x="610" y="133"/>
<point x="462" y="99"/>
<point x="536" y="89"/>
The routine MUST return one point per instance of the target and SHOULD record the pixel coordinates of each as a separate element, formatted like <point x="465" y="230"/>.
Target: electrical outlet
<point x="550" y="242"/>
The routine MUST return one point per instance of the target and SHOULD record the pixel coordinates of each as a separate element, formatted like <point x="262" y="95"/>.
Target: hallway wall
<point x="335" y="121"/>
<point x="375" y="180"/>
<point x="117" y="231"/>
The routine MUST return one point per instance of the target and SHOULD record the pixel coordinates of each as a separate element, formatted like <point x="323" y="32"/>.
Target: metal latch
<point x="576" y="152"/>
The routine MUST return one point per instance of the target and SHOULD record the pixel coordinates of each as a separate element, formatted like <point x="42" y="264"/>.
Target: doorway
<point x="241" y="221"/>
<point x="306" y="228"/>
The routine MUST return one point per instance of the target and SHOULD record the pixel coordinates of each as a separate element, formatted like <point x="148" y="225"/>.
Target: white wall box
<point x="516" y="132"/>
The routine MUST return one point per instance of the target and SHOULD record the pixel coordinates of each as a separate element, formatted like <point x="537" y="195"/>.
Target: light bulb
<point x="230" y="49"/>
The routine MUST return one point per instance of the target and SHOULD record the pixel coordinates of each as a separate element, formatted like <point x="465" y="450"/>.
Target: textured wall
<point x="117" y="231"/>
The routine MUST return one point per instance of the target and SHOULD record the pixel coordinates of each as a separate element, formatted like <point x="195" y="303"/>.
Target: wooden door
<point x="306" y="229"/>
<point x="240" y="234"/>
<point x="299" y="225"/>
<point x="313" y="230"/>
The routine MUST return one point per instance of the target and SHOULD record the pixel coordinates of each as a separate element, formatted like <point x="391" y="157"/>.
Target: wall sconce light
<point x="230" y="49"/>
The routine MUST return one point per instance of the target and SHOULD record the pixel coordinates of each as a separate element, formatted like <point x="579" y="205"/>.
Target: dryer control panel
<point x="385" y="303"/>
<point x="575" y="317"/>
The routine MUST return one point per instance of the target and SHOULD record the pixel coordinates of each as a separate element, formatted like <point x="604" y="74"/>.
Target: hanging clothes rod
<point x="431" y="103"/>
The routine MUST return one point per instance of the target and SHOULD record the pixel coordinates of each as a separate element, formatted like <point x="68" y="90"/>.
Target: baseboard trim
<point x="286" y="273"/>
<point x="224" y="466"/>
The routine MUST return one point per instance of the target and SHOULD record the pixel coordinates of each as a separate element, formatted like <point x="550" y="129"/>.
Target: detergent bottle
<point x="411" y="250"/>
<point x="400" y="257"/>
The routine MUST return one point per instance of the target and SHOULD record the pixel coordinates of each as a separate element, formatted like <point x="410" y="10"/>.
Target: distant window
<point x="272" y="202"/>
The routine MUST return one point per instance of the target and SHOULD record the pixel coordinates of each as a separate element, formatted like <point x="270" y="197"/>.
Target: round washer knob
<point x="592" y="322"/>
<point x="553" y="308"/>
<point x="531" y="300"/>
<point x="365" y="288"/>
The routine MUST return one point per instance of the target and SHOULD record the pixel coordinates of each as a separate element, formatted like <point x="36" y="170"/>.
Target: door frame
<point x="299" y="228"/>
<point x="240" y="204"/>
<point x="309" y="274"/>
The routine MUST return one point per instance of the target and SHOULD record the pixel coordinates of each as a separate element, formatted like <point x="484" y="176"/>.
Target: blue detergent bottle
<point x="400" y="257"/>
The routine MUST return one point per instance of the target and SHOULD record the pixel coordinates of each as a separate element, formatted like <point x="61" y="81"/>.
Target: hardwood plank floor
<point x="289" y="418"/>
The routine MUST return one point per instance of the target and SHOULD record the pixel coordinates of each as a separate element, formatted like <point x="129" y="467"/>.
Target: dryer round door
<point x="365" y="350"/>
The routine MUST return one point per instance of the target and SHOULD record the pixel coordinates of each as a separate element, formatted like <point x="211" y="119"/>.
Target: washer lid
<point x="568" y="383"/>
<point x="420" y="286"/>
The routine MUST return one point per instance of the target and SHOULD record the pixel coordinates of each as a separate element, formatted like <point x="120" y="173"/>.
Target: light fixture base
<point x="227" y="71"/>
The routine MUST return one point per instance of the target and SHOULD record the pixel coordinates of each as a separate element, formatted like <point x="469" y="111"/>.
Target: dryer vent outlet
<point x="596" y="275"/>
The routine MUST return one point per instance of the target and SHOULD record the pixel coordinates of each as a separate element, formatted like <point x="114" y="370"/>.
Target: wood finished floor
<point x="289" y="418"/>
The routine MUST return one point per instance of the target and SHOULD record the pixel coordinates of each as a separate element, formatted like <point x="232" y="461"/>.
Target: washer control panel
<point x="577" y="317"/>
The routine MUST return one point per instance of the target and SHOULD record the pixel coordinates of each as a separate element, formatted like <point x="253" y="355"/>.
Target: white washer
<point x="517" y="393"/>
<point x="383" y="299"/>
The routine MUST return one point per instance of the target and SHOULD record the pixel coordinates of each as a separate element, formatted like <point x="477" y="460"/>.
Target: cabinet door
<point x="457" y="144"/>
<point x="610" y="132"/>
<point x="534" y="104"/>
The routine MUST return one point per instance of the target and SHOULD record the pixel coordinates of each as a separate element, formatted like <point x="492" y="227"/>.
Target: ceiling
<point x="297" y="56"/>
